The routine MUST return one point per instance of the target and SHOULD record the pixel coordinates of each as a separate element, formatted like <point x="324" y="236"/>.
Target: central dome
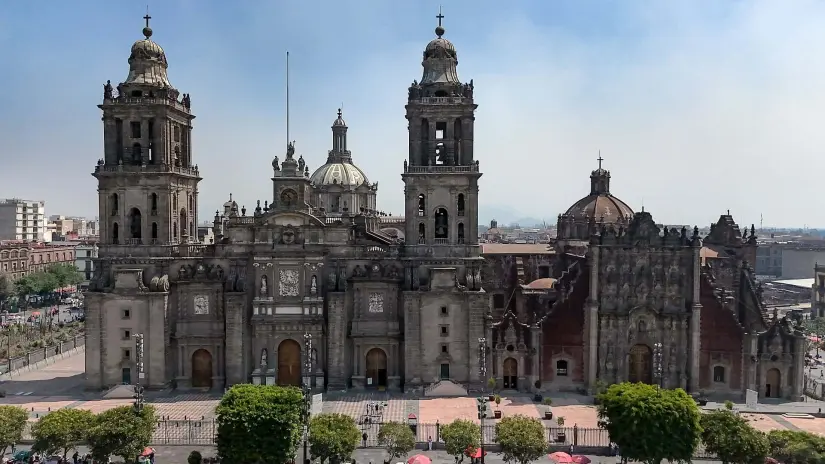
<point x="342" y="173"/>
<point x="600" y="206"/>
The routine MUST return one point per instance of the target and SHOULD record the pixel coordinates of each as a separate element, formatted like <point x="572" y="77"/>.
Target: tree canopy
<point x="522" y="438"/>
<point x="796" y="447"/>
<point x="650" y="424"/>
<point x="13" y="421"/>
<point x="732" y="439"/>
<point x="267" y="416"/>
<point x="61" y="430"/>
<point x="121" y="432"/>
<point x="396" y="438"/>
<point x="45" y="282"/>
<point x="333" y="437"/>
<point x="460" y="436"/>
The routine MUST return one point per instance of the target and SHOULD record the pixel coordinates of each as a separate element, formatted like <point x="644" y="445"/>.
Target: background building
<point x="22" y="220"/>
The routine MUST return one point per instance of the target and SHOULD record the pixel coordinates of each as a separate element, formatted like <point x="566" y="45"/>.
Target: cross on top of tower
<point x="439" y="30"/>
<point x="440" y="16"/>
<point x="600" y="159"/>
<point x="147" y="31"/>
<point x="147" y="18"/>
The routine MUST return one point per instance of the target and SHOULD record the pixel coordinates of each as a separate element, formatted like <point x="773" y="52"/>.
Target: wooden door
<point x="640" y="368"/>
<point x="289" y="363"/>
<point x="376" y="368"/>
<point x="201" y="369"/>
<point x="510" y="379"/>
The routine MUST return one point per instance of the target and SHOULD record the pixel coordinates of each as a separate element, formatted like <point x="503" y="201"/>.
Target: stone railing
<point x="104" y="168"/>
<point x="440" y="169"/>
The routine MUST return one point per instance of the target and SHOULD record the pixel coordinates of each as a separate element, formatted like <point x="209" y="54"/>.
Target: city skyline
<point x="696" y="91"/>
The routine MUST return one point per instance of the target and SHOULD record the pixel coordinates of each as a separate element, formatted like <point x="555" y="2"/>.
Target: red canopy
<point x="473" y="452"/>
<point x="561" y="457"/>
<point x="419" y="459"/>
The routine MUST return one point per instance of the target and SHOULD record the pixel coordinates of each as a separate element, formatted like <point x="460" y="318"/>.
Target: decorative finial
<point x="147" y="31"/>
<point x="340" y="113"/>
<point x="439" y="30"/>
<point x="230" y="197"/>
<point x="600" y="159"/>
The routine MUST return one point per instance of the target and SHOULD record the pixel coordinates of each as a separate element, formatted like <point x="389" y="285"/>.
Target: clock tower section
<point x="441" y="174"/>
<point x="147" y="183"/>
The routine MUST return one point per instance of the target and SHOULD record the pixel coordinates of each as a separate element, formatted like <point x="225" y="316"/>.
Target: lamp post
<point x="657" y="364"/>
<point x="482" y="401"/>
<point x="307" y="390"/>
<point x="138" y="404"/>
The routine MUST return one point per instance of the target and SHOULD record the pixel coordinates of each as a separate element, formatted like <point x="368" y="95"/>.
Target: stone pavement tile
<point x="516" y="406"/>
<point x="446" y="410"/>
<point x="816" y="426"/>
<point x="582" y="416"/>
<point x="763" y="422"/>
<point x="190" y="405"/>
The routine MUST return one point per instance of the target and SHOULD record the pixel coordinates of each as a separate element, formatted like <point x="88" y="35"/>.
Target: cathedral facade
<point x="401" y="303"/>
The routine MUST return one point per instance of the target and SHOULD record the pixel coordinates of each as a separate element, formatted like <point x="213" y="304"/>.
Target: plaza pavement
<point x="60" y="385"/>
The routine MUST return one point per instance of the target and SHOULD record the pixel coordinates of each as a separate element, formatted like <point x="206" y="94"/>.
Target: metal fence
<point x="39" y="354"/>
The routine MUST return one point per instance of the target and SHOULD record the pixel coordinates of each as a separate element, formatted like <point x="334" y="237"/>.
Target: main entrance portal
<point x="289" y="363"/>
<point x="510" y="376"/>
<point x="773" y="383"/>
<point x="201" y="369"/>
<point x="376" y="368"/>
<point x="641" y="364"/>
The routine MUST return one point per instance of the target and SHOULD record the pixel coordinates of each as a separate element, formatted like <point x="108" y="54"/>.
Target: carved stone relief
<point x="288" y="280"/>
<point x="376" y="303"/>
<point x="201" y="304"/>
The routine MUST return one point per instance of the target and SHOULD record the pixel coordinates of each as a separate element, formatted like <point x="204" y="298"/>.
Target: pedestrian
<point x="75" y="457"/>
<point x="364" y="439"/>
<point x="430" y="443"/>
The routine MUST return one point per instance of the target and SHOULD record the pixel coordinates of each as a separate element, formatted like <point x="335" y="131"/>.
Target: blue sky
<point x="697" y="106"/>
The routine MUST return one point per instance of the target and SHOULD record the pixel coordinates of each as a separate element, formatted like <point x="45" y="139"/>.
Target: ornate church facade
<point x="401" y="303"/>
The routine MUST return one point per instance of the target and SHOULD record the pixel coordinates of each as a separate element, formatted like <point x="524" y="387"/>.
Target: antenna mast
<point x="287" y="98"/>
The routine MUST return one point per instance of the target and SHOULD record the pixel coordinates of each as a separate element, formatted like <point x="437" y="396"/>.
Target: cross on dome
<point x="147" y="31"/>
<point x="439" y="30"/>
<point x="600" y="159"/>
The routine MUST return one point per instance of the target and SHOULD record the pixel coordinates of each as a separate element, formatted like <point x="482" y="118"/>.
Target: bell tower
<point x="147" y="183"/>
<point x="441" y="174"/>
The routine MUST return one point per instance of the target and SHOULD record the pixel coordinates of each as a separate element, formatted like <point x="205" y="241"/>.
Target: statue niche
<point x="264" y="289"/>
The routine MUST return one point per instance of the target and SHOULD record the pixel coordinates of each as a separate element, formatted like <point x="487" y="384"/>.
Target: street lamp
<point x="482" y="401"/>
<point x="306" y="390"/>
<point x="657" y="365"/>
<point x="138" y="396"/>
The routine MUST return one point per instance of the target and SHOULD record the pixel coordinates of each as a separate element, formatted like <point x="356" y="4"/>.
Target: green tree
<point x="460" y="436"/>
<point x="732" y="439"/>
<point x="13" y="420"/>
<point x="121" y="432"/>
<point x="61" y="430"/>
<point x="396" y="438"/>
<point x="6" y="289"/>
<point x="333" y="437"/>
<point x="267" y="416"/>
<point x="25" y="286"/>
<point x="796" y="447"/>
<point x="522" y="439"/>
<point x="650" y="424"/>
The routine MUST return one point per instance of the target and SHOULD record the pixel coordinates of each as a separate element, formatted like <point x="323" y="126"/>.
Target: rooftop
<point x="516" y="249"/>
<point x="801" y="283"/>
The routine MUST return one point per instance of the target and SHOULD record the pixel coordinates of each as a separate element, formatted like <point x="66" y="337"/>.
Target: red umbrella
<point x="579" y="459"/>
<point x="147" y="451"/>
<point x="419" y="459"/>
<point x="560" y="457"/>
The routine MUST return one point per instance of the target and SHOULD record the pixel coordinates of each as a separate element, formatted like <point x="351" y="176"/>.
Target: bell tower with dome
<point x="441" y="174"/>
<point x="147" y="183"/>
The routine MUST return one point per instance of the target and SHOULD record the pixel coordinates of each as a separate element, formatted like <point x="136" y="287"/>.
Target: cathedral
<point x="313" y="285"/>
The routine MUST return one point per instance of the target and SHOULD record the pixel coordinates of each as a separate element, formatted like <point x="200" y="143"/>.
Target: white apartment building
<point x="85" y="254"/>
<point x="22" y="220"/>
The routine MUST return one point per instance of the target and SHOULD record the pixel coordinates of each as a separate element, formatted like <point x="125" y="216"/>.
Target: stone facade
<point x="316" y="259"/>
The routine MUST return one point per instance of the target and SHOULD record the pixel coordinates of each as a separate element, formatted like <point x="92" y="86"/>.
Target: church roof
<point x="342" y="173"/>
<point x="147" y="62"/>
<point x="600" y="205"/>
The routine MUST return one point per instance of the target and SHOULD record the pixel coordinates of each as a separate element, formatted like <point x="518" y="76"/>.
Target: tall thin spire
<point x="287" y="100"/>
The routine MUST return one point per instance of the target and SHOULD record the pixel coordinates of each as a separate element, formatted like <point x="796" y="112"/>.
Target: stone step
<point x="797" y="415"/>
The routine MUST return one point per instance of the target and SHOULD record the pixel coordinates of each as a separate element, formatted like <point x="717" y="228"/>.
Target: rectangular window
<point x="444" y="311"/>
<point x="445" y="348"/>
<point x="135" y="129"/>
<point x="445" y="330"/>
<point x="126" y="314"/>
<point x="127" y="353"/>
<point x="127" y="334"/>
<point x="498" y="301"/>
<point x="440" y="129"/>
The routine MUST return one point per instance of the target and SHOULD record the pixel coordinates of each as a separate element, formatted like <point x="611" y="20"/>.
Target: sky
<point x="696" y="106"/>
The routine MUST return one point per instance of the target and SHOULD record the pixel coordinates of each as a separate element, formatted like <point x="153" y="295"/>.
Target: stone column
<point x="592" y="321"/>
<point x="798" y="387"/>
<point x="695" y="324"/>
<point x="535" y="342"/>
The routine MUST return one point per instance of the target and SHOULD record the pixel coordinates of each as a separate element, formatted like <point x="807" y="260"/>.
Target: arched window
<point x="460" y="205"/>
<point x="115" y="204"/>
<point x="422" y="233"/>
<point x="176" y="161"/>
<point x="175" y="230"/>
<point x="135" y="225"/>
<point x="137" y="154"/>
<point x="422" y="204"/>
<point x="191" y="203"/>
<point x="154" y="203"/>
<point x="460" y="233"/>
<point x="718" y="374"/>
<point x="183" y="222"/>
<point x="115" y="233"/>
<point x="442" y="227"/>
<point x="561" y="368"/>
<point x="154" y="231"/>
<point x="191" y="229"/>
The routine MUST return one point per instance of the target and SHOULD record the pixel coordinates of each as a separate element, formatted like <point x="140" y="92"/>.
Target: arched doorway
<point x="510" y="379"/>
<point x="640" y="368"/>
<point x="289" y="363"/>
<point x="376" y="368"/>
<point x="135" y="226"/>
<point x="773" y="382"/>
<point x="201" y="369"/>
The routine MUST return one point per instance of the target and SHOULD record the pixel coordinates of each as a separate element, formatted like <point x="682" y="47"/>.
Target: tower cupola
<point x="147" y="67"/>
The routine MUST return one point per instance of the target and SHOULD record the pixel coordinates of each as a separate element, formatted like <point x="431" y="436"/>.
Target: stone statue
<point x="290" y="150"/>
<point x="313" y="286"/>
<point x="187" y="102"/>
<point x="264" y="291"/>
<point x="359" y="271"/>
<point x="263" y="359"/>
<point x="107" y="90"/>
<point x="120" y="92"/>
<point x="333" y="280"/>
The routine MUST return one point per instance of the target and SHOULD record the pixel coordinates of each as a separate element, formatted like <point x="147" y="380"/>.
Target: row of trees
<point x="120" y="431"/>
<point x="42" y="284"/>
<point x="651" y="425"/>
